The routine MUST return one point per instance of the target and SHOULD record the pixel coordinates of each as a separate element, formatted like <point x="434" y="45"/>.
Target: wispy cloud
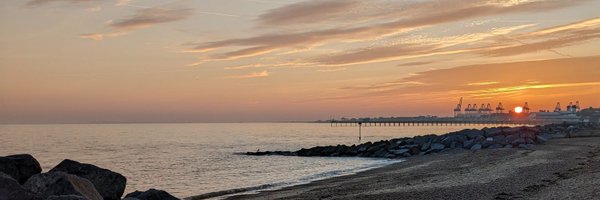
<point x="546" y="39"/>
<point x="244" y="66"/>
<point x="483" y="83"/>
<point x="416" y="63"/>
<point x="122" y="2"/>
<point x="332" y="69"/>
<point x="306" y="12"/>
<point x="43" y="2"/>
<point x="263" y="73"/>
<point x="143" y="18"/>
<point x="415" y="15"/>
<point x="474" y="81"/>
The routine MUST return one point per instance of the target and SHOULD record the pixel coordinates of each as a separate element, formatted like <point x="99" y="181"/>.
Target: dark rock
<point x="414" y="150"/>
<point x="408" y="146"/>
<point x="510" y="131"/>
<point x="66" y="197"/>
<point x="453" y="145"/>
<point x="527" y="134"/>
<point x="488" y="142"/>
<point x="425" y="146"/>
<point x="151" y="194"/>
<point x="363" y="147"/>
<point x="374" y="148"/>
<point x="109" y="184"/>
<point x="20" y="167"/>
<point x="511" y="138"/>
<point x="437" y="146"/>
<point x="518" y="142"/>
<point x="468" y="144"/>
<point x="328" y="150"/>
<point x="542" y="139"/>
<point x="453" y="138"/>
<point x="496" y="146"/>
<point x="400" y="151"/>
<point x="508" y="146"/>
<point x="11" y="189"/>
<point x="499" y="139"/>
<point x="381" y="153"/>
<point x="491" y="132"/>
<point x="423" y="139"/>
<point x="529" y="141"/>
<point x="476" y="146"/>
<point x="527" y="146"/>
<point x="471" y="133"/>
<point x="479" y="139"/>
<point x="61" y="183"/>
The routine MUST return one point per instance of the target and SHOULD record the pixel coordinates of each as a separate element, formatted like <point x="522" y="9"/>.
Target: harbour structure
<point x="559" y="115"/>
<point x="473" y="114"/>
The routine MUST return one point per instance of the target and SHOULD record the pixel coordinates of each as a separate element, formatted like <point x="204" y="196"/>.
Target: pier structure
<point x="433" y="122"/>
<point x="474" y="115"/>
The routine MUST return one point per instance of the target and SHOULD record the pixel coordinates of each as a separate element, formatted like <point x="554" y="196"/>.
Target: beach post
<point x="359" y="131"/>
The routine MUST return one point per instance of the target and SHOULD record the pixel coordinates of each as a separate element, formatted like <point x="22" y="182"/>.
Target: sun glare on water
<point x="518" y="109"/>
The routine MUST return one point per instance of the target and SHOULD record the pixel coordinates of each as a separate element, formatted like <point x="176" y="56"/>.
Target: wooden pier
<point x="441" y="122"/>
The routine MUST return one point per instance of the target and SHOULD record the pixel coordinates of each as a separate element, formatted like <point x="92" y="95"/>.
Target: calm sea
<point x="192" y="159"/>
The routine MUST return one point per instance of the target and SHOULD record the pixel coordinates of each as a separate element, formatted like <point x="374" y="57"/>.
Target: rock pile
<point x="473" y="139"/>
<point x="21" y="178"/>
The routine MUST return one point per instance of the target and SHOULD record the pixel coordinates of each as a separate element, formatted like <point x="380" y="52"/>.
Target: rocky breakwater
<point x="472" y="139"/>
<point x="21" y="178"/>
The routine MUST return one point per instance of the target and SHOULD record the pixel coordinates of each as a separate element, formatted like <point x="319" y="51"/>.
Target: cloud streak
<point x="518" y="78"/>
<point x="143" y="18"/>
<point x="416" y="15"/>
<point x="263" y="73"/>
<point x="43" y="2"/>
<point x="306" y="12"/>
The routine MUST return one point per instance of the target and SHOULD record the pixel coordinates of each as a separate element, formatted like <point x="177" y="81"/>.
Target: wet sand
<point x="564" y="168"/>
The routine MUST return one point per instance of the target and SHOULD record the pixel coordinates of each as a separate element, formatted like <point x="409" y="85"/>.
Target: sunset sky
<point x="77" y="61"/>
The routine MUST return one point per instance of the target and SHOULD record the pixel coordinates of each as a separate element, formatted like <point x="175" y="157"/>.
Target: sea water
<point x="196" y="158"/>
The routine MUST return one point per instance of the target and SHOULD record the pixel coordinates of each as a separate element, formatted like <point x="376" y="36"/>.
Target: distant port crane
<point x="500" y="108"/>
<point x="458" y="108"/>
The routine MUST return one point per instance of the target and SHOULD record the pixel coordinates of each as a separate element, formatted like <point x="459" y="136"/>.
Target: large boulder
<point x="11" y="189"/>
<point x="151" y="194"/>
<point x="476" y="147"/>
<point x="437" y="146"/>
<point x="109" y="184"/>
<point x="20" y="167"/>
<point x="60" y="183"/>
<point x="400" y="151"/>
<point x="490" y="132"/>
<point x="472" y="133"/>
<point x="66" y="197"/>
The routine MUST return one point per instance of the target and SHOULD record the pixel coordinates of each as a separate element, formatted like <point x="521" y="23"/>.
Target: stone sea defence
<point x="21" y="179"/>
<point x="472" y="139"/>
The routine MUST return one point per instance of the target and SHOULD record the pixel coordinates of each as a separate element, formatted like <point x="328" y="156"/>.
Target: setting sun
<point x="518" y="109"/>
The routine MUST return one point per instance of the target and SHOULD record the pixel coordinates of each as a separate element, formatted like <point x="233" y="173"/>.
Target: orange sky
<point x="77" y="61"/>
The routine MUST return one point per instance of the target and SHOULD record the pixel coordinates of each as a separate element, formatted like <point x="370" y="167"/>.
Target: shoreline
<point x="456" y="174"/>
<point x="223" y="194"/>
<point x="416" y="162"/>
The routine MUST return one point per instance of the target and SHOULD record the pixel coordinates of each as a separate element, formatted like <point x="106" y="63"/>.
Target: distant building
<point x="555" y="117"/>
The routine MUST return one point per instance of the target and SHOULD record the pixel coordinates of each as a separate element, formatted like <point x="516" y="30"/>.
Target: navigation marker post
<point x="359" y="131"/>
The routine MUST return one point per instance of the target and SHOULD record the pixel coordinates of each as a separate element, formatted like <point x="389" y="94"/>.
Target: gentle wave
<point x="303" y="180"/>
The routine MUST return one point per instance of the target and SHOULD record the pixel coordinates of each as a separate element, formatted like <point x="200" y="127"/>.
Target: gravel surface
<point x="567" y="168"/>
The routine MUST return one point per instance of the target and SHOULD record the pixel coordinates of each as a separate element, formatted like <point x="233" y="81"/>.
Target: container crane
<point x="458" y="108"/>
<point x="557" y="107"/>
<point x="500" y="108"/>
